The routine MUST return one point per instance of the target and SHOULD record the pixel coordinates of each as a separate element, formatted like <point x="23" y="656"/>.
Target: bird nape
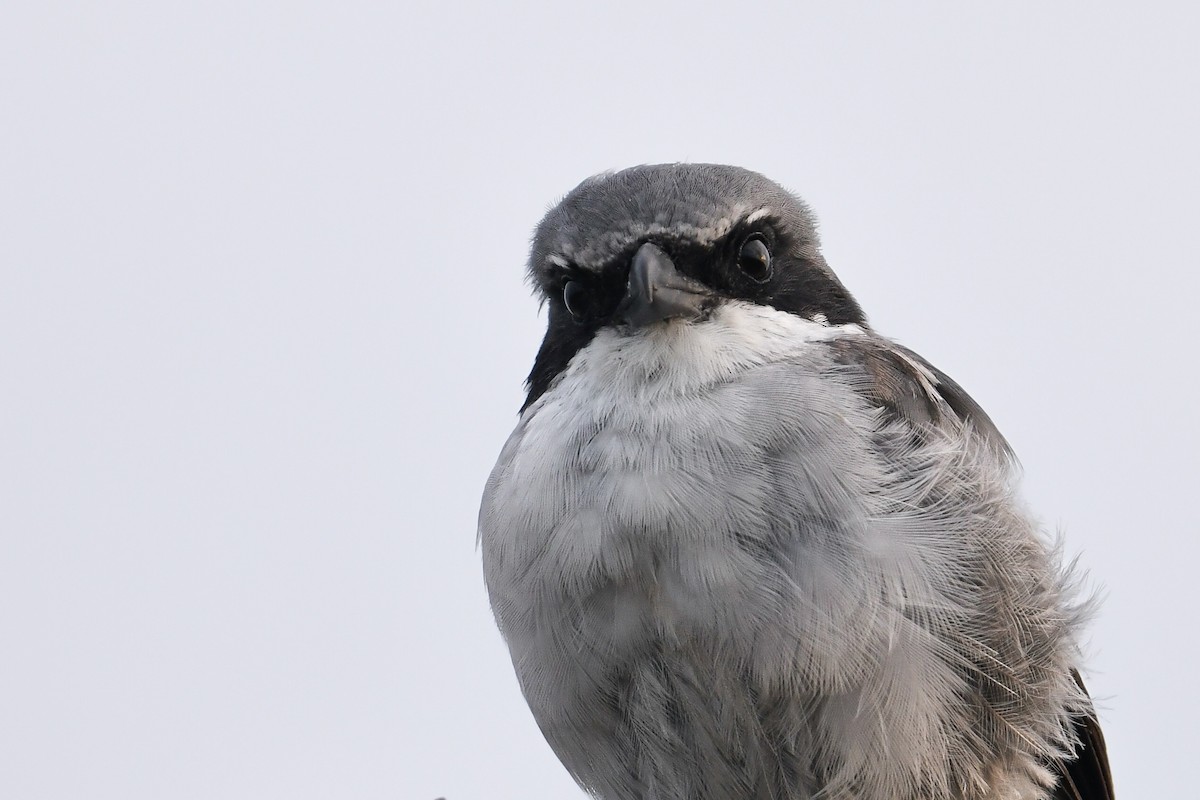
<point x="742" y="546"/>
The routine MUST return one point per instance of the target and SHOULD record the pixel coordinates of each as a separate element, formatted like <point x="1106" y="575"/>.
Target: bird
<point x="741" y="546"/>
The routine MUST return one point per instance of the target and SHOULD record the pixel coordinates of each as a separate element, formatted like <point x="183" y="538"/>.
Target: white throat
<point x="679" y="357"/>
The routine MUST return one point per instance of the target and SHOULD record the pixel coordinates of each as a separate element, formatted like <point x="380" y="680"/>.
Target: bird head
<point x="668" y="244"/>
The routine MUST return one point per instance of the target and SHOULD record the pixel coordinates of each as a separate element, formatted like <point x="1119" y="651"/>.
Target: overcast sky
<point x="263" y="328"/>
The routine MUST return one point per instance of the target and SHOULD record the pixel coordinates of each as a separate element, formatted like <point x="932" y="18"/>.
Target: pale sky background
<point x="263" y="328"/>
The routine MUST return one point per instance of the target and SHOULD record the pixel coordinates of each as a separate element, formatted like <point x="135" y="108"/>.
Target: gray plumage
<point x="753" y="549"/>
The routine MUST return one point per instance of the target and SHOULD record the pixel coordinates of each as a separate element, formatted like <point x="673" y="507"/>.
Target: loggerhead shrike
<point x="742" y="546"/>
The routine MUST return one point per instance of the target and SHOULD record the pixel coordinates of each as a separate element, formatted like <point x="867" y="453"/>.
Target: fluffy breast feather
<point x="723" y="572"/>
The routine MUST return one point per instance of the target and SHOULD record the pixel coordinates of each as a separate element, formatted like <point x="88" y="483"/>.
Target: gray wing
<point x="908" y="387"/>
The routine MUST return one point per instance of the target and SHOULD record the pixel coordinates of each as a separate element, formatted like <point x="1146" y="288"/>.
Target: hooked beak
<point x="657" y="291"/>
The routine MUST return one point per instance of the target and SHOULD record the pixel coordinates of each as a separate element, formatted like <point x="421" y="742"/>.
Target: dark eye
<point x="577" y="299"/>
<point x="754" y="259"/>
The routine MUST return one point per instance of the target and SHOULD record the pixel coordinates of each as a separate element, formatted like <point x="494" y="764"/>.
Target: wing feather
<point x="1085" y="776"/>
<point x="908" y="387"/>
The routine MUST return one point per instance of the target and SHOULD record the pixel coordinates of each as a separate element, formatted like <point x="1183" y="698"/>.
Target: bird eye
<point x="754" y="259"/>
<point x="577" y="299"/>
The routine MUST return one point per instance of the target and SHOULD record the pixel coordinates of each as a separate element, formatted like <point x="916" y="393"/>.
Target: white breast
<point x="635" y="470"/>
<point x="709" y="500"/>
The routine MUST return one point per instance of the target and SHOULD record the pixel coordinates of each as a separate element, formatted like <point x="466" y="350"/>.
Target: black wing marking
<point x="1085" y="776"/>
